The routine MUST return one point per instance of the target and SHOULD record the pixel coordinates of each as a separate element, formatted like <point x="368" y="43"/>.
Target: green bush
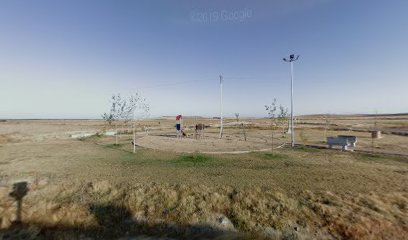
<point x="193" y="159"/>
<point x="274" y="156"/>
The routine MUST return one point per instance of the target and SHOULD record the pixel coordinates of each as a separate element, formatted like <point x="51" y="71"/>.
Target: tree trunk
<point x="116" y="134"/>
<point x="134" y="137"/>
<point x="272" y="135"/>
<point x="244" y="131"/>
<point x="272" y="141"/>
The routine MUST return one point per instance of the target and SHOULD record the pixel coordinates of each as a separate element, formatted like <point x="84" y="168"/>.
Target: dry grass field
<point x="91" y="188"/>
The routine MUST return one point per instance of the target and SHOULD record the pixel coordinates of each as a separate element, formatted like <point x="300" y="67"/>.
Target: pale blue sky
<point x="64" y="59"/>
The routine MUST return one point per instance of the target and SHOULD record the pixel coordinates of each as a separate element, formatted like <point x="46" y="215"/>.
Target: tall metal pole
<point x="221" y="116"/>
<point x="291" y="59"/>
<point x="291" y="105"/>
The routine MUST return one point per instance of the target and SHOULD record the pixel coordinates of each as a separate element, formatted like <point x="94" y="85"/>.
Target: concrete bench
<point x="345" y="141"/>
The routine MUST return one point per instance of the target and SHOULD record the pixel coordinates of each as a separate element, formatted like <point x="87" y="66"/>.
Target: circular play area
<point x="206" y="145"/>
<point x="203" y="138"/>
<point x="208" y="137"/>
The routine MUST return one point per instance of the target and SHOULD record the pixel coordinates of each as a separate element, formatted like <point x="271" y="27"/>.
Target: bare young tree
<point x="123" y="109"/>
<point x="116" y="112"/>
<point x="327" y="126"/>
<point x="237" y="116"/>
<point x="271" y="110"/>
<point x="283" y="117"/>
<point x="130" y="106"/>
<point x="374" y="132"/>
<point x="244" y="131"/>
<point x="137" y="105"/>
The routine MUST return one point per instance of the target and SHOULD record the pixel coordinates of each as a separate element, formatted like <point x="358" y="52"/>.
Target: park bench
<point x="345" y="141"/>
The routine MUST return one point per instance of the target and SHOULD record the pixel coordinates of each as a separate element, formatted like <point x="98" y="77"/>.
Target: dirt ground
<point x="91" y="188"/>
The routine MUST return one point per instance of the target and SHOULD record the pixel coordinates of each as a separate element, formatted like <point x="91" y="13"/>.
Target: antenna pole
<point x="221" y="116"/>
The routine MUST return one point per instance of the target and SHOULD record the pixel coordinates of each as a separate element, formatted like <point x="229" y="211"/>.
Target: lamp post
<point x="291" y="59"/>
<point x="221" y="116"/>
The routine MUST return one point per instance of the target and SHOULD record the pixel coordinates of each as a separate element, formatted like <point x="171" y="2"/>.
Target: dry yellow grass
<point x="90" y="188"/>
<point x="102" y="210"/>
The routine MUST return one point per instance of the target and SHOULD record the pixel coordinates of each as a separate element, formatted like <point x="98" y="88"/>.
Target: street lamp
<point x="291" y="59"/>
<point x="221" y="116"/>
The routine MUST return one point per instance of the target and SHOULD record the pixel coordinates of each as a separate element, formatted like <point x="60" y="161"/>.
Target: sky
<point x="64" y="59"/>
